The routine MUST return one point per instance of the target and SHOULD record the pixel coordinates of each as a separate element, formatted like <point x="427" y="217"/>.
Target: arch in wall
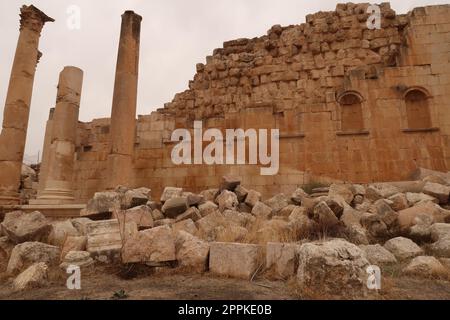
<point x="418" y="113"/>
<point x="351" y="111"/>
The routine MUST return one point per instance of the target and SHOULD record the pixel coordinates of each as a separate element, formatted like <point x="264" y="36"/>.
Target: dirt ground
<point x="115" y="283"/>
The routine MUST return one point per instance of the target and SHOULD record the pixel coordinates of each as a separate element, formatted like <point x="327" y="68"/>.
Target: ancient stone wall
<point x="351" y="104"/>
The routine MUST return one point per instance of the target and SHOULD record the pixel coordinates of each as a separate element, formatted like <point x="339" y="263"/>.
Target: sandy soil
<point x="171" y="284"/>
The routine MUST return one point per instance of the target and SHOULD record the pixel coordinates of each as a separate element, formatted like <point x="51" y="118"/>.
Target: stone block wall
<point x="351" y="104"/>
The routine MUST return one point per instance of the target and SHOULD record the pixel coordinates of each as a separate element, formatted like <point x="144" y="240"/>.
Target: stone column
<point x="18" y="100"/>
<point x="46" y="151"/>
<point x="58" y="179"/>
<point x="123" y="116"/>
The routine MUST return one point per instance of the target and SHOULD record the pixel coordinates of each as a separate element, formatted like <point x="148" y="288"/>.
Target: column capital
<point x="32" y="18"/>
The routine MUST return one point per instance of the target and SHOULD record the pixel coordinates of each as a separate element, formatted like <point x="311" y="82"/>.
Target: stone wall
<point x="352" y="104"/>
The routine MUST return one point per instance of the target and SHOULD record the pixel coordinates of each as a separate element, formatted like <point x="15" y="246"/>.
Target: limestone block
<point x="28" y="253"/>
<point x="324" y="216"/>
<point x="191" y="252"/>
<point x="403" y="248"/>
<point x="227" y="200"/>
<point x="277" y="203"/>
<point x="60" y="231"/>
<point x="425" y="267"/>
<point x="33" y="277"/>
<point x="378" y="255"/>
<point x="22" y="227"/>
<point x="262" y="211"/>
<point x="282" y="259"/>
<point x="208" y="208"/>
<point x="438" y="191"/>
<point x="234" y="259"/>
<point x="77" y="243"/>
<point x="185" y="225"/>
<point x="80" y="259"/>
<point x="174" y="207"/>
<point x="253" y="197"/>
<point x="171" y="192"/>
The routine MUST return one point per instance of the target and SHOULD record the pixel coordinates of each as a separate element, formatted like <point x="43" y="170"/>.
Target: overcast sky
<point x="175" y="36"/>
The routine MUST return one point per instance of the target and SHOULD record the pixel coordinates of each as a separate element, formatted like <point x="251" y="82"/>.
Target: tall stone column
<point x="58" y="180"/>
<point x="46" y="152"/>
<point x="18" y="100"/>
<point x="123" y="116"/>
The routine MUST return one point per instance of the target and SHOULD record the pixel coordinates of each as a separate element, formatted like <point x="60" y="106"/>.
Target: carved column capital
<point x="33" y="19"/>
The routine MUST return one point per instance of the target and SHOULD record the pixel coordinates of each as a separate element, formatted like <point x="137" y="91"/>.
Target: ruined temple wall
<point x="291" y="79"/>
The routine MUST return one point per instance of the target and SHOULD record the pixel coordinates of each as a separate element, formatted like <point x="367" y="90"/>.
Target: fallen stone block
<point x="191" y="252"/>
<point x="185" y="225"/>
<point x="235" y="260"/>
<point x="78" y="243"/>
<point x="342" y="190"/>
<point x="334" y="267"/>
<point x="262" y="211"/>
<point x="60" y="231"/>
<point x="80" y="259"/>
<point x="230" y="183"/>
<point x="378" y="255"/>
<point x="425" y="267"/>
<point x="22" y="227"/>
<point x="324" y="216"/>
<point x="28" y="253"/>
<point x="34" y="277"/>
<point x="237" y="218"/>
<point x="141" y="216"/>
<point x="171" y="192"/>
<point x="441" y="248"/>
<point x="174" y="207"/>
<point x="438" y="191"/>
<point x="379" y="191"/>
<point x="282" y="259"/>
<point x="253" y="197"/>
<point x="399" y="202"/>
<point x="207" y="208"/>
<point x="210" y="195"/>
<point x="403" y="248"/>
<point x="103" y="203"/>
<point x="440" y="231"/>
<point x="241" y="193"/>
<point x="227" y="200"/>
<point x="207" y="225"/>
<point x="416" y="198"/>
<point x="408" y="218"/>
<point x="191" y="213"/>
<point x="134" y="198"/>
<point x="80" y="224"/>
<point x="155" y="245"/>
<point x="277" y="203"/>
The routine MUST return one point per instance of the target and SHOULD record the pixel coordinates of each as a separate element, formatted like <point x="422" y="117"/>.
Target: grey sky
<point x="175" y="36"/>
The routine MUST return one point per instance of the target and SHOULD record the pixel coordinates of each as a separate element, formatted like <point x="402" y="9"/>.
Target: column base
<point x="54" y="197"/>
<point x="9" y="199"/>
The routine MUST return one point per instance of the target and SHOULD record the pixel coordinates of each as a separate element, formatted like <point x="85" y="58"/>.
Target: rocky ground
<point x="229" y="243"/>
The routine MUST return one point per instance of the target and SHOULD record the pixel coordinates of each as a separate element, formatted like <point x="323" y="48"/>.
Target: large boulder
<point x="174" y="207"/>
<point x="28" y="253"/>
<point x="277" y="203"/>
<point x="207" y="208"/>
<point x="342" y="190"/>
<point x="324" y="216"/>
<point x="208" y="226"/>
<point x="403" y="248"/>
<point x="253" y="197"/>
<point x="409" y="217"/>
<point x="334" y="267"/>
<point x="399" y="202"/>
<point x="103" y="203"/>
<point x="22" y="227"/>
<point x="141" y="215"/>
<point x="135" y="198"/>
<point x="262" y="211"/>
<point x="191" y="252"/>
<point x="379" y="191"/>
<point x="425" y="267"/>
<point x="235" y="260"/>
<point x="34" y="277"/>
<point x="171" y="192"/>
<point x="416" y="198"/>
<point x="378" y="255"/>
<point x="282" y="259"/>
<point x="440" y="233"/>
<point x="155" y="245"/>
<point x="60" y="231"/>
<point x="227" y="200"/>
<point x="438" y="191"/>
<point x="73" y="244"/>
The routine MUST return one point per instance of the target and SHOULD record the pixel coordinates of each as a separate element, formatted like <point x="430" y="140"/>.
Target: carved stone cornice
<point x="33" y="19"/>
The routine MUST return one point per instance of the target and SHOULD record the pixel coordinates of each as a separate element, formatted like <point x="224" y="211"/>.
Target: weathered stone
<point x="103" y="202"/>
<point x="238" y="218"/>
<point x="134" y="198"/>
<point x="375" y="225"/>
<point x="298" y="196"/>
<point x="25" y="254"/>
<point x="324" y="216"/>
<point x="80" y="259"/>
<point x="227" y="200"/>
<point x="440" y="231"/>
<point x="408" y="217"/>
<point x="333" y="267"/>
<point x="438" y="191"/>
<point x="185" y="225"/>
<point x="22" y="227"/>
<point x="336" y="203"/>
<point x="253" y="197"/>
<point x="208" y="208"/>
<point x="234" y="259"/>
<point x="33" y="277"/>
<point x="191" y="213"/>
<point x="81" y="225"/>
<point x="262" y="211"/>
<point x="173" y="207"/>
<point x="381" y="191"/>
<point x="194" y="200"/>
<point x="230" y="183"/>
<point x="399" y="202"/>
<point x="287" y="211"/>
<point x="241" y="193"/>
<point x="425" y="267"/>
<point x="60" y="231"/>
<point x="165" y="222"/>
<point x="157" y="215"/>
<point x="210" y="195"/>
<point x="277" y="203"/>
<point x="441" y="248"/>
<point x="150" y="246"/>
<point x="282" y="259"/>
<point x="141" y="216"/>
<point x="73" y="244"/>
<point x="342" y="190"/>
<point x="191" y="252"/>
<point x="378" y="255"/>
<point x="415" y="198"/>
<point x="403" y="248"/>
<point x="170" y="192"/>
<point x="207" y="225"/>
